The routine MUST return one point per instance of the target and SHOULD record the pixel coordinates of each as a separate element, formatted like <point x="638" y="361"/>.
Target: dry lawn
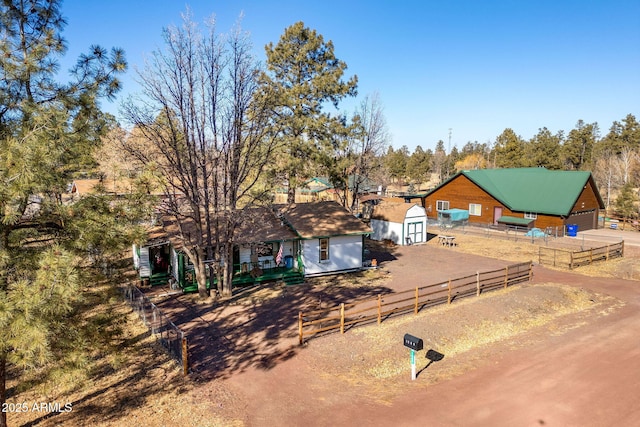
<point x="523" y="250"/>
<point x="127" y="378"/>
<point x="464" y="332"/>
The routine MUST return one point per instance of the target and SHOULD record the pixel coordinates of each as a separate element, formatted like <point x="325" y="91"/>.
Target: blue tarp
<point x="454" y="214"/>
<point x="535" y="232"/>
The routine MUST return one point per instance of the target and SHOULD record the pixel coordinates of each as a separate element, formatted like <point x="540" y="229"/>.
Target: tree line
<point x="613" y="158"/>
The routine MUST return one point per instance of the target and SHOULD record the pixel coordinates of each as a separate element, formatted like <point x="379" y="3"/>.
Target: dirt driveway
<point x="588" y="375"/>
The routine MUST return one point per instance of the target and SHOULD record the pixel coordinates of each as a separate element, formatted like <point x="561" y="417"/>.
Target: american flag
<point x="279" y="256"/>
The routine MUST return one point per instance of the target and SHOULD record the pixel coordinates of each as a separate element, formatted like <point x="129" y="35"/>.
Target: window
<point x="442" y="205"/>
<point x="324" y="249"/>
<point x="475" y="209"/>
<point x="530" y="215"/>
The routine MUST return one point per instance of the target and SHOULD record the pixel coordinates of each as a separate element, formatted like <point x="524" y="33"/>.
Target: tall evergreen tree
<point x="545" y="150"/>
<point x="419" y="166"/>
<point x="509" y="150"/>
<point x="47" y="131"/>
<point x="578" y="147"/>
<point x="396" y="162"/>
<point x="626" y="201"/>
<point x="303" y="76"/>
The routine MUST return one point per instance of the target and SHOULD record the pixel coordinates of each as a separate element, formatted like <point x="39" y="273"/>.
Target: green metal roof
<point x="537" y="190"/>
<point x="514" y="220"/>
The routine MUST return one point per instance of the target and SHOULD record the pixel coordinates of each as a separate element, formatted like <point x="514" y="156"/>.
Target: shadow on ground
<point x="257" y="327"/>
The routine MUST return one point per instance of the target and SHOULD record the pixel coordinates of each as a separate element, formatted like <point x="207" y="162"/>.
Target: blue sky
<point x="470" y="66"/>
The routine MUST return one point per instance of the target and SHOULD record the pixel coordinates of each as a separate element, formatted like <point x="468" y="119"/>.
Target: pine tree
<point x="509" y="150"/>
<point x="303" y="76"/>
<point x="47" y="130"/>
<point x="626" y="200"/>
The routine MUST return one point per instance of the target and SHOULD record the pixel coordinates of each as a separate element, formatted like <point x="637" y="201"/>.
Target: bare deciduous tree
<point x="370" y="144"/>
<point x="207" y="139"/>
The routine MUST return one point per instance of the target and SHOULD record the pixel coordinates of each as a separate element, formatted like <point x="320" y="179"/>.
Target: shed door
<point x="415" y="232"/>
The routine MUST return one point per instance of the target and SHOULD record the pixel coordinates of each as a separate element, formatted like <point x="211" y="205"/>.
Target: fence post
<point x="571" y="260"/>
<point x="449" y="293"/>
<point x="185" y="356"/>
<point x="622" y="249"/>
<point x="379" y="309"/>
<point x="154" y="320"/>
<point x="477" y="283"/>
<point x="506" y="276"/>
<point x="590" y="256"/>
<point x="300" y="327"/>
<point x="554" y="257"/>
<point x="415" y="310"/>
<point x="342" y="318"/>
<point x="530" y="271"/>
<point x="540" y="254"/>
<point x="606" y="257"/>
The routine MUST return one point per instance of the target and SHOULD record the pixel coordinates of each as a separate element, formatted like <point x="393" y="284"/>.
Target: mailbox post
<point x="415" y="344"/>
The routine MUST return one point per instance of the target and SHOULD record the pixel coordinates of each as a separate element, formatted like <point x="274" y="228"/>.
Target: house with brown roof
<point x="286" y="243"/>
<point x="331" y="240"/>
<point x="402" y="223"/>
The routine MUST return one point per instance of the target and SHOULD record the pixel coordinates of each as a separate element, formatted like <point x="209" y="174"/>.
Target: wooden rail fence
<point x="348" y="315"/>
<point x="572" y="259"/>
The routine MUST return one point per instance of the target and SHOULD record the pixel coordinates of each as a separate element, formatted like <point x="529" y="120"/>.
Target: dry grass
<point x="124" y="378"/>
<point x="522" y="250"/>
<point x="374" y="357"/>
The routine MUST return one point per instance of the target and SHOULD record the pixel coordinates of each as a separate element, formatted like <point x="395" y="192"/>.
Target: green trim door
<point x="415" y="232"/>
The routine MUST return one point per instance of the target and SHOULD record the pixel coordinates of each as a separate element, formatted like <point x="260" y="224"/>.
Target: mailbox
<point x="414" y="343"/>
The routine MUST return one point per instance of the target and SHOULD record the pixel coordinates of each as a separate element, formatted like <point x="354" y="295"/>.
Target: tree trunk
<point x="3" y="389"/>
<point x="291" y="194"/>
<point x="201" y="278"/>
<point x="227" y="288"/>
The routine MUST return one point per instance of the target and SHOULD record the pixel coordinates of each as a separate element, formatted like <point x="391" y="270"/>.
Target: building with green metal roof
<point x="531" y="197"/>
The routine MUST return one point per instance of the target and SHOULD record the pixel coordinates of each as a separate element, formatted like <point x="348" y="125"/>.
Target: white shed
<point x="402" y="223"/>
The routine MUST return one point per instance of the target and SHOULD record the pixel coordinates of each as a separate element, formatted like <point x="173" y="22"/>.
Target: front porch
<point x="245" y="276"/>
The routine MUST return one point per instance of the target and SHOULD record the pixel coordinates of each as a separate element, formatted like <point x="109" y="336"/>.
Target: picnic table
<point x="448" y="241"/>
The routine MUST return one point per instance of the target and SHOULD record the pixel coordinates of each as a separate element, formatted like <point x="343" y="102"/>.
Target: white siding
<point x="345" y="253"/>
<point x="386" y="230"/>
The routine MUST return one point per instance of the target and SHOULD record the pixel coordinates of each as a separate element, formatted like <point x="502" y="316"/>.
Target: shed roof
<point x="391" y="211"/>
<point x="533" y="189"/>
<point x="322" y="219"/>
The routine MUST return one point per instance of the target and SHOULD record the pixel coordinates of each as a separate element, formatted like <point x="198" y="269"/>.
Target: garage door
<point x="584" y="220"/>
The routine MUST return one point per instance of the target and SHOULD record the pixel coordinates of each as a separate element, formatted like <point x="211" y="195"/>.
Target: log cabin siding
<point x="587" y="199"/>
<point x="461" y="191"/>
